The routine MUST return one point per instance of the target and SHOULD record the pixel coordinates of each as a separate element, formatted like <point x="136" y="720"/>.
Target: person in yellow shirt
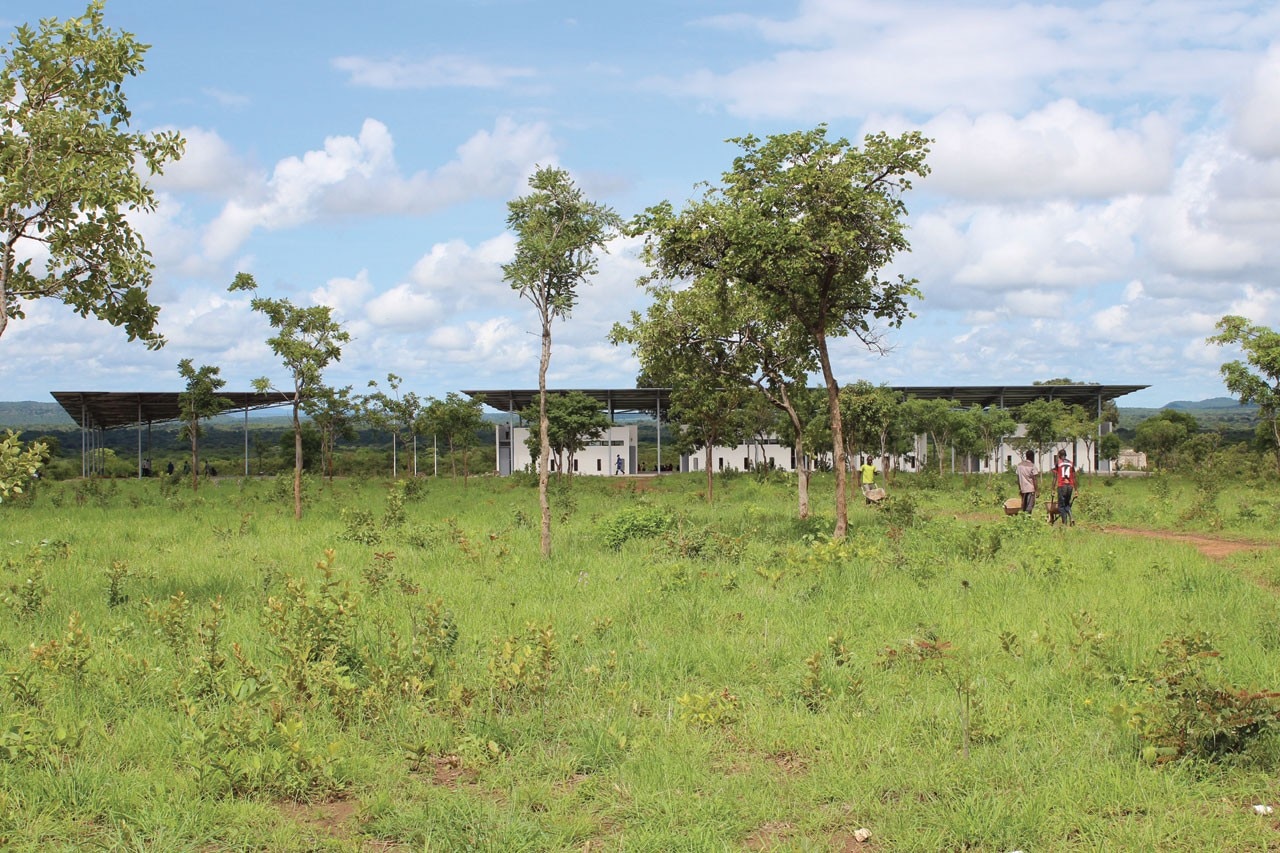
<point x="867" y="475"/>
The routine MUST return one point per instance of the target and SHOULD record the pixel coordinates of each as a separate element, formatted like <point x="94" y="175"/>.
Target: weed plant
<point x="401" y="670"/>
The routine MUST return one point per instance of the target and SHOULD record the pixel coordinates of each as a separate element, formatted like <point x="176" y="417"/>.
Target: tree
<point x="199" y="401"/>
<point x="397" y="413"/>
<point x="991" y="425"/>
<point x="456" y="419"/>
<point x="68" y="179"/>
<point x="307" y="340"/>
<point x="1044" y="423"/>
<point x="868" y="412"/>
<point x="333" y="411"/>
<point x="806" y="225"/>
<point x="708" y="417"/>
<point x="18" y="464"/>
<point x="938" y="418"/>
<point x="558" y="232"/>
<point x="1257" y="378"/>
<point x="1162" y="433"/>
<point x="573" y="419"/>
<point x="1109" y="447"/>
<point x="714" y="334"/>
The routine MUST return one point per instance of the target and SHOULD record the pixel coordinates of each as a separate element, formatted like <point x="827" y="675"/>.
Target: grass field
<point x="401" y="671"/>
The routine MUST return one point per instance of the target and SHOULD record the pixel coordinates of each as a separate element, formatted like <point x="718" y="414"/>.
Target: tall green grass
<point x="181" y="671"/>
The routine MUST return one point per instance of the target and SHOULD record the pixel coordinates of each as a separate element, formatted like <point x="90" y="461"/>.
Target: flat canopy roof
<point x="110" y="409"/>
<point x="1006" y="396"/>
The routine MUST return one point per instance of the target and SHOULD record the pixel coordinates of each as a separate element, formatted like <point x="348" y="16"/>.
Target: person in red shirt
<point x="1065" y="475"/>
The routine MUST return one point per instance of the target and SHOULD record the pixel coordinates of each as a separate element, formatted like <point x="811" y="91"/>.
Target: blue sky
<point x="1105" y="186"/>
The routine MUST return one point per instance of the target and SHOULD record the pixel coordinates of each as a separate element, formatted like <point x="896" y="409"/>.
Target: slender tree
<point x="333" y="411"/>
<point x="1257" y="378"/>
<point x="707" y="417"/>
<point x="457" y="420"/>
<point x="991" y="425"/>
<point x="558" y="232"/>
<point x="69" y="179"/>
<point x="938" y="418"/>
<point x="199" y="401"/>
<point x="573" y="420"/>
<point x="307" y="340"/>
<point x="397" y="413"/>
<point x="807" y="225"/>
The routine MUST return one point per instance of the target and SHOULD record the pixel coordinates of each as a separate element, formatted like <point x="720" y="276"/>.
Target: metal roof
<point x="110" y="409"/>
<point x="1006" y="396"/>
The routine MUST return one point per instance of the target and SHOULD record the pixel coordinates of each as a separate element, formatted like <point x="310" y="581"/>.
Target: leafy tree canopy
<point x="68" y="174"/>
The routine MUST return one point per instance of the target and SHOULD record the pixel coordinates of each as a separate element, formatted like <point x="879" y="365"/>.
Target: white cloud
<point x="845" y="58"/>
<point x="358" y="176"/>
<point x="440" y="71"/>
<point x="401" y="308"/>
<point x="1257" y="127"/>
<point x="1060" y="150"/>
<point x="1183" y="231"/>
<point x="346" y="296"/>
<point x="208" y="165"/>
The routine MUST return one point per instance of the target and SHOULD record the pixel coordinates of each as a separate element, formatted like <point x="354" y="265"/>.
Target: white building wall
<point x="598" y="459"/>
<point x="743" y="457"/>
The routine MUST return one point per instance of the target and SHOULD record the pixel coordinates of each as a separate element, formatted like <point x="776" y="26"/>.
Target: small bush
<point x="637" y="522"/>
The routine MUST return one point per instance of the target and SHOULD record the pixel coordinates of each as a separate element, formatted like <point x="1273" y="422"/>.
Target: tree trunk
<point x="195" y="456"/>
<point x="837" y="440"/>
<point x="802" y="479"/>
<point x="297" y="460"/>
<point x="802" y="465"/>
<point x="544" y="427"/>
<point x="708" y="467"/>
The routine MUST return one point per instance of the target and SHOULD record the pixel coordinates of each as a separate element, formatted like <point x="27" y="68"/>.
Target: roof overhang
<point x="652" y="400"/>
<point x="110" y="409"/>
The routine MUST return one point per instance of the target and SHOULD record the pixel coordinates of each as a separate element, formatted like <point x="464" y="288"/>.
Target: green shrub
<point x="636" y="522"/>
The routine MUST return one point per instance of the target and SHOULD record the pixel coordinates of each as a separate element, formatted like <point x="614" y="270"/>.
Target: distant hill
<point x="29" y="413"/>
<point x="1212" y="403"/>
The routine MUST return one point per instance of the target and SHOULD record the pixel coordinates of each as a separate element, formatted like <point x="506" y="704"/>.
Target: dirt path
<point x="1214" y="548"/>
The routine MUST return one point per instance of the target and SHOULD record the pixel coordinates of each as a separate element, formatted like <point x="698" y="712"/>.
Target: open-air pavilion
<point x="656" y="401"/>
<point x="97" y="411"/>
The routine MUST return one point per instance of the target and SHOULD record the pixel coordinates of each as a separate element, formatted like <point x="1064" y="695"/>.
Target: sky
<point x="1104" y="187"/>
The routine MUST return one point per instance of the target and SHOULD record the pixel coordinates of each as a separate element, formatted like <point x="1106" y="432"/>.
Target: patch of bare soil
<point x="1213" y="547"/>
<point x="336" y="819"/>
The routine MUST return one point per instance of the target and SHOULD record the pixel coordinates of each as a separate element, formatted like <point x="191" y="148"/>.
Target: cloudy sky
<point x="1105" y="177"/>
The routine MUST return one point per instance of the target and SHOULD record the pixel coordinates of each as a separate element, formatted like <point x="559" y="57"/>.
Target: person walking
<point x="1064" y="473"/>
<point x="1027" y="473"/>
<point x="867" y="475"/>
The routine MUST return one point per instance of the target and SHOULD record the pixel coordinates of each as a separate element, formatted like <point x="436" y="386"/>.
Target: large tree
<point x="558" y="232"/>
<point x="713" y="334"/>
<point x="69" y="174"/>
<point x="307" y="340"/>
<point x="807" y="225"/>
<point x="200" y="400"/>
<point x="1257" y="378"/>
